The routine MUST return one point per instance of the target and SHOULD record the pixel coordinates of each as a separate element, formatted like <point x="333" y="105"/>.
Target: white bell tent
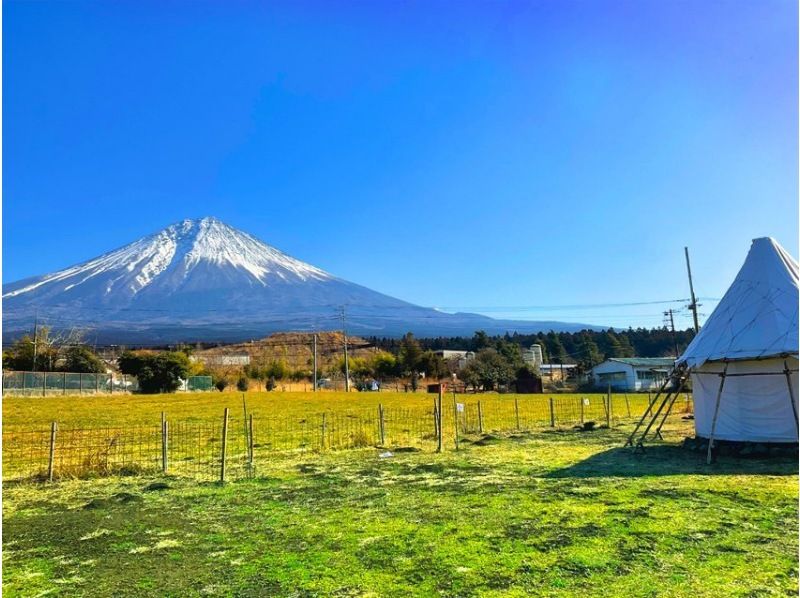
<point x="744" y="361"/>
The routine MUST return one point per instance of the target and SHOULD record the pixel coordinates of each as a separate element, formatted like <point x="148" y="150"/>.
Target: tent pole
<point x="647" y="412"/>
<point x="669" y="409"/>
<point x="791" y="393"/>
<point x="716" y="413"/>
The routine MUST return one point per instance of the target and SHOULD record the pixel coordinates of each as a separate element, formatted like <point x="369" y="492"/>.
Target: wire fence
<point x="45" y="384"/>
<point x="233" y="446"/>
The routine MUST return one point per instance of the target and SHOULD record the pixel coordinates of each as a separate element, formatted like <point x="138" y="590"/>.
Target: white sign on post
<point x="585" y="401"/>
<point x="460" y="407"/>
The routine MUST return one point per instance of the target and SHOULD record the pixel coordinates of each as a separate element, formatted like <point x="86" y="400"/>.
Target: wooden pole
<point x="480" y="418"/>
<point x="163" y="442"/>
<point x="439" y="440"/>
<point x="381" y="425"/>
<point x="111" y="384"/>
<point x="44" y="384"/>
<point x="455" y="419"/>
<point x="80" y="383"/>
<point x="244" y="423"/>
<point x="716" y="413"/>
<point x="552" y="414"/>
<point x="582" y="409"/>
<point x="224" y="446"/>
<point x="252" y="445"/>
<point x="51" y="461"/>
<point x="516" y="410"/>
<point x="788" y="374"/>
<point x="627" y="405"/>
<point x="64" y="383"/>
<point x="324" y="430"/>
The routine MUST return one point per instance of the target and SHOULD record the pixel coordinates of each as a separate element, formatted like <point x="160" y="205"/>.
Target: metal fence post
<point x="552" y="414"/>
<point x="480" y="418"/>
<point x="51" y="461"/>
<point x="224" y="445"/>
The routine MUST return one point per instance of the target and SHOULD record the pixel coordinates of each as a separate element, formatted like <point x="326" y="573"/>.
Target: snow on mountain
<point x="204" y="280"/>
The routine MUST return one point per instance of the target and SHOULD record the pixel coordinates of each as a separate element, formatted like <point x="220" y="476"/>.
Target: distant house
<point x="461" y="357"/>
<point x="632" y="373"/>
<point x="222" y="359"/>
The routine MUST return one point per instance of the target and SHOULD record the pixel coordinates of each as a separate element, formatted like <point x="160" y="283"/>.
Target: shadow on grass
<point x="660" y="460"/>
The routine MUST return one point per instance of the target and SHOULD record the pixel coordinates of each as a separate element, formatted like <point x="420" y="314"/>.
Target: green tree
<point x="488" y="370"/>
<point x="409" y="358"/>
<point x="242" y="384"/>
<point x="81" y="359"/>
<point x="155" y="372"/>
<point x="384" y="364"/>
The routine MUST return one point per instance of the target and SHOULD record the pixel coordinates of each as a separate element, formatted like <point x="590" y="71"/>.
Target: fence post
<point x="163" y="442"/>
<point x="381" y="425"/>
<point x="80" y="383"/>
<point x="51" y="461"/>
<point x="252" y="445"/>
<point x="610" y="408"/>
<point x="435" y="419"/>
<point x="439" y="422"/>
<point x="627" y="405"/>
<point x="23" y="384"/>
<point x="64" y="383"/>
<point x="582" y="407"/>
<point x="480" y="418"/>
<point x="44" y="384"/>
<point x="455" y="420"/>
<point x="552" y="414"/>
<point x="323" y="430"/>
<point x="111" y="384"/>
<point x="608" y="412"/>
<point x="96" y="384"/>
<point x="224" y="445"/>
<point x="516" y="410"/>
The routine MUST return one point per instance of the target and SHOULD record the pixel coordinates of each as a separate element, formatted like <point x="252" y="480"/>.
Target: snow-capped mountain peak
<point x="172" y="255"/>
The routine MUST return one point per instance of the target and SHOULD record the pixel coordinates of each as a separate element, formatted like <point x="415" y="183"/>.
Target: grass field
<point x="122" y="433"/>
<point x="126" y="409"/>
<point x="550" y="512"/>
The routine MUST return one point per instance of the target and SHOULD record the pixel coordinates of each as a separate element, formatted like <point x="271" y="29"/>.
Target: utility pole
<point x="668" y="314"/>
<point x="346" y="360"/>
<point x="693" y="304"/>
<point x="315" y="362"/>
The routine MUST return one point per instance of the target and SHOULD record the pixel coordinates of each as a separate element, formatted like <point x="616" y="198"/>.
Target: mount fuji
<point x="202" y="280"/>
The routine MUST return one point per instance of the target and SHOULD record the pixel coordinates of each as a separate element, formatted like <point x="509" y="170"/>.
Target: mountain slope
<point x="204" y="280"/>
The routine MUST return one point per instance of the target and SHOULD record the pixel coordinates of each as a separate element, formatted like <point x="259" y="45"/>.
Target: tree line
<point x="586" y="348"/>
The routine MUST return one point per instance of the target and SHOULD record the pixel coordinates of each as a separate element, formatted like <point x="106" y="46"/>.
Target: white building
<point x="632" y="373"/>
<point x="222" y="359"/>
<point x="461" y="357"/>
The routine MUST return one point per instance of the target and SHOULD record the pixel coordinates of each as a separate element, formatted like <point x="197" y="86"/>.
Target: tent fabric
<point x="758" y="316"/>
<point x="752" y="408"/>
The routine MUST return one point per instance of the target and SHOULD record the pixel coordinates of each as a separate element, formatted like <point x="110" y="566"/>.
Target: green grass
<point x="552" y="512"/>
<point x="120" y="410"/>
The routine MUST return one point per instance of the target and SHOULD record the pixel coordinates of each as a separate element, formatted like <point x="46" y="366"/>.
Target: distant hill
<point x="202" y="280"/>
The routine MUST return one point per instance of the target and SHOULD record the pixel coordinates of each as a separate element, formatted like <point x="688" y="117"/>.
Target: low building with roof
<point x="632" y="373"/>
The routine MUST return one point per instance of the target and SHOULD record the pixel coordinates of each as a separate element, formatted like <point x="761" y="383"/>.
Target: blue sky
<point x="457" y="154"/>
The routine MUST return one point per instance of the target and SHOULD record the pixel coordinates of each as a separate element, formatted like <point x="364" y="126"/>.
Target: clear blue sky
<point x="456" y="154"/>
